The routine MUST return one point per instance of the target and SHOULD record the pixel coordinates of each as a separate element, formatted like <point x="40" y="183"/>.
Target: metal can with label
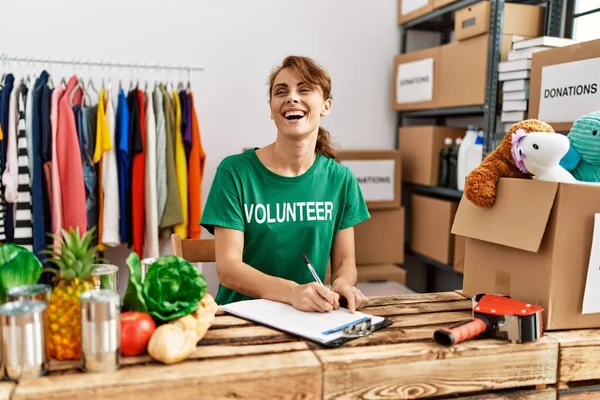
<point x="146" y="264"/>
<point x="37" y="291"/>
<point x="100" y="330"/>
<point x="22" y="328"/>
<point x="105" y="276"/>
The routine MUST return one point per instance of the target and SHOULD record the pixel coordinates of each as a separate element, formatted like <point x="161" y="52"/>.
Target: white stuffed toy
<point x="539" y="154"/>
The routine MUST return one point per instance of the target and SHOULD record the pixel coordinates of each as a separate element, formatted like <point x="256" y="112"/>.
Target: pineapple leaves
<point x="74" y="256"/>
<point x="172" y="288"/>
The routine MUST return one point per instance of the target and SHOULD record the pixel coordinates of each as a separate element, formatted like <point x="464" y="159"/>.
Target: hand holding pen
<point x="314" y="296"/>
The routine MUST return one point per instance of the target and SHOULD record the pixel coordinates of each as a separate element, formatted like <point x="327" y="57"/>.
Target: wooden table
<point x="240" y="360"/>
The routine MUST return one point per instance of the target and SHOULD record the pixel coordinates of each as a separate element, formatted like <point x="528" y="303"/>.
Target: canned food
<point x="22" y="328"/>
<point x="38" y="291"/>
<point x="100" y="330"/>
<point x="146" y="264"/>
<point x="105" y="276"/>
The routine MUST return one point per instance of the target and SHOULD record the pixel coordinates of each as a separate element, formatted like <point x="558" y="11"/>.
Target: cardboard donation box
<point x="379" y="175"/>
<point x="534" y="244"/>
<point x="420" y="148"/>
<point x="380" y="239"/>
<point x="415" y="84"/>
<point x="411" y="9"/>
<point x="565" y="84"/>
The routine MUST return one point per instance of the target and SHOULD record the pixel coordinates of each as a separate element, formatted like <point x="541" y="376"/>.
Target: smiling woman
<point x="268" y="206"/>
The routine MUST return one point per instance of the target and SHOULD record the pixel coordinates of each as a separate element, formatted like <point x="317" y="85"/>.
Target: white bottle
<point x="475" y="155"/>
<point x="467" y="143"/>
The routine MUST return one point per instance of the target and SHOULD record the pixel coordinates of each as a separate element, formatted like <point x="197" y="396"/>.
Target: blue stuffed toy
<point x="583" y="157"/>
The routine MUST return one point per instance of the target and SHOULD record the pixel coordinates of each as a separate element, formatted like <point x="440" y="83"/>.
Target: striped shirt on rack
<point x="23" y="214"/>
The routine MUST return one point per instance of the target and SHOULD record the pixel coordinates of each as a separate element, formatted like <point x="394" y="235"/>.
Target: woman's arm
<point x="343" y="270"/>
<point x="236" y="275"/>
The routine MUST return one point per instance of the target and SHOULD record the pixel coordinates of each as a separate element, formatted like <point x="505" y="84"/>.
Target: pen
<point x="311" y="269"/>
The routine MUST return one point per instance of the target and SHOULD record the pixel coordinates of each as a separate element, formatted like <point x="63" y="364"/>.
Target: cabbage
<point x="172" y="288"/>
<point x="18" y="266"/>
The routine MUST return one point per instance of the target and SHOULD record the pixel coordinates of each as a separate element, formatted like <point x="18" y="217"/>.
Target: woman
<point x="267" y="206"/>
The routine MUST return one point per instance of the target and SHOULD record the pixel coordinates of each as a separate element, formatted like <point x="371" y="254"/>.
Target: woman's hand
<point x="315" y="297"/>
<point x="354" y="297"/>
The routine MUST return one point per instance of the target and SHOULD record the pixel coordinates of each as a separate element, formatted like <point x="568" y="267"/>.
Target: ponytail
<point x="324" y="144"/>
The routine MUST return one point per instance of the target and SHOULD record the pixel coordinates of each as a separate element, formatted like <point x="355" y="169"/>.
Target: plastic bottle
<point x="443" y="173"/>
<point x="453" y="170"/>
<point x="475" y="155"/>
<point x="463" y="151"/>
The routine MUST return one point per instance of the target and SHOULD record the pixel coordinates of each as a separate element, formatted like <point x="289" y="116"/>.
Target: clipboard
<point x="330" y="329"/>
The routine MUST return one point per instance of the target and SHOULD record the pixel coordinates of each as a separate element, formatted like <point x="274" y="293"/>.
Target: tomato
<point x="136" y="330"/>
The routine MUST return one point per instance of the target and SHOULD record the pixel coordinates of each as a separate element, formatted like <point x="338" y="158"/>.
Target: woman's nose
<point x="292" y="98"/>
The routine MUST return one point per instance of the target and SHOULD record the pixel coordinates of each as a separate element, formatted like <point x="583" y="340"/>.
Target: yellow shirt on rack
<point x="181" y="170"/>
<point x="103" y="144"/>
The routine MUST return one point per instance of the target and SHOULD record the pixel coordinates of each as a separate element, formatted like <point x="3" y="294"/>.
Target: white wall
<point x="238" y="42"/>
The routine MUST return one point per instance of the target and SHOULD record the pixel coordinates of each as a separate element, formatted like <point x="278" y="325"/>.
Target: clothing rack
<point x="109" y="64"/>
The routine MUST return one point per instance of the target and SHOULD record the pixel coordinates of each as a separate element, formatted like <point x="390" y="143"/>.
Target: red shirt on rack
<point x="138" y="183"/>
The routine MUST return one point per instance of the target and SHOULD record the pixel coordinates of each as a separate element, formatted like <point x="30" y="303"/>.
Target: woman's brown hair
<point x="314" y="74"/>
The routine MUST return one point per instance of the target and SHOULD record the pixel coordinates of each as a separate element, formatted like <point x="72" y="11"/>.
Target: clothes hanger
<point x="4" y="69"/>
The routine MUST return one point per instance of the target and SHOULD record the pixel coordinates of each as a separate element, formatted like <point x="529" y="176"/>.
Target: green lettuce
<point x="173" y="287"/>
<point x="18" y="266"/>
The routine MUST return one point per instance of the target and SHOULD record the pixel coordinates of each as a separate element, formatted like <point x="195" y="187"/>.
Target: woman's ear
<point x="326" y="108"/>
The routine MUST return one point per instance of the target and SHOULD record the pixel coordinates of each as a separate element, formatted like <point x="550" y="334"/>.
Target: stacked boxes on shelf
<point x="515" y="72"/>
<point x="379" y="241"/>
<point x="454" y="74"/>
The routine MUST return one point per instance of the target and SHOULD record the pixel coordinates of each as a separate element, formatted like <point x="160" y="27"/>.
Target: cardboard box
<point x="519" y="20"/>
<point x="431" y="222"/>
<point x="462" y="79"/>
<point x="534" y="245"/>
<point x="376" y="273"/>
<point x="411" y="9"/>
<point x="380" y="239"/>
<point x="565" y="84"/>
<point x="442" y="3"/>
<point x="415" y="80"/>
<point x="379" y="174"/>
<point x="459" y="254"/>
<point x="420" y="148"/>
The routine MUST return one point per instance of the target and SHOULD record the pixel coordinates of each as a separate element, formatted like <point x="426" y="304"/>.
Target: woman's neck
<point x="293" y="158"/>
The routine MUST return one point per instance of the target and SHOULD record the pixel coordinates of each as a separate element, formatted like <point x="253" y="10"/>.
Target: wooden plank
<point x="401" y="321"/>
<point x="419" y="308"/>
<point x="291" y="375"/>
<point x="581" y="393"/>
<point x="6" y="389"/>
<point x="579" y="354"/>
<point x="545" y="394"/>
<point x="425" y="369"/>
<point x="415" y="298"/>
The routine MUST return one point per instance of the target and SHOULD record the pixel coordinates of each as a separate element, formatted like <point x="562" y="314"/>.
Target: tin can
<point x="38" y="291"/>
<point x="146" y="264"/>
<point x="105" y="276"/>
<point x="100" y="330"/>
<point x="22" y="328"/>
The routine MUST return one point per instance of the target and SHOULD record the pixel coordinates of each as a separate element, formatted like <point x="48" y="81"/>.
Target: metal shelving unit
<point x="441" y="20"/>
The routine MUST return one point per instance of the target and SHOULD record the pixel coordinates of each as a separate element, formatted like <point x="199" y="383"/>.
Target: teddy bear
<point x="480" y="184"/>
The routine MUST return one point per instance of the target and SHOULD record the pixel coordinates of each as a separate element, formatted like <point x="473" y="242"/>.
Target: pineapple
<point x="74" y="261"/>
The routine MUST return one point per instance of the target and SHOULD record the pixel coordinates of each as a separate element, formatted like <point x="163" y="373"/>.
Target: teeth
<point x="292" y="113"/>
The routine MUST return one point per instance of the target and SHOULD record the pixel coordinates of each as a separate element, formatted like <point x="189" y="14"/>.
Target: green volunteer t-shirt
<point x="283" y="217"/>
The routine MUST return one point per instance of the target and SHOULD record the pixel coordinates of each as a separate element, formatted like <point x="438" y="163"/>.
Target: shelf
<point x="438" y="191"/>
<point x="437" y="112"/>
<point x="414" y="24"/>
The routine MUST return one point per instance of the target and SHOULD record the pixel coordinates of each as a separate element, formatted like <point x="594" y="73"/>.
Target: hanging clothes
<point x="161" y="154"/>
<point x="123" y="162"/>
<point x="109" y="198"/>
<point x="23" y="216"/>
<point x="172" y="215"/>
<point x="196" y="173"/>
<point x="7" y="212"/>
<point x="139" y="177"/>
<point x="186" y="122"/>
<point x="70" y="165"/>
<point x="103" y="143"/>
<point x="55" y="199"/>
<point x="10" y="178"/>
<point x="46" y="151"/>
<point x="151" y="196"/>
<point x="181" y="170"/>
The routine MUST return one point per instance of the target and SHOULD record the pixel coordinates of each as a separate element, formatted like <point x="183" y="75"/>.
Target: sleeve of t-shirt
<point x="355" y="210"/>
<point x="223" y="205"/>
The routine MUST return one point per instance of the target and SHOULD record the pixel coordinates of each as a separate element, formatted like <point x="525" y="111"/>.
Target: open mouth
<point x="294" y="115"/>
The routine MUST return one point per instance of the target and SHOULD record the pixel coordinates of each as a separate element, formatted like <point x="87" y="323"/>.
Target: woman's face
<point x="296" y="106"/>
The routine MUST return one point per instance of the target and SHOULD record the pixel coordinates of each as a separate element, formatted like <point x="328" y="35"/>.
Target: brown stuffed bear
<point x="480" y="185"/>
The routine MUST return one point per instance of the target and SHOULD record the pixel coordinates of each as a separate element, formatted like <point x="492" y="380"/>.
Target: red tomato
<point x="136" y="330"/>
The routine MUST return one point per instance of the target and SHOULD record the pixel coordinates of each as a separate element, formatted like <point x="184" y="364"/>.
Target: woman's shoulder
<point x="239" y="161"/>
<point x="337" y="168"/>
